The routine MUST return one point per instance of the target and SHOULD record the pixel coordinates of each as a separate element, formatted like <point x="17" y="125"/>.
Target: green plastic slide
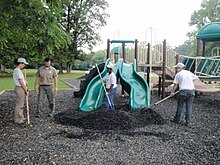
<point x="134" y="84"/>
<point x="130" y="80"/>
<point x="94" y="95"/>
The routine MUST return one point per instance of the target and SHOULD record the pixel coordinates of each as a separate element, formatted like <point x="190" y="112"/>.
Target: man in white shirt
<point x="184" y="80"/>
<point x="20" y="90"/>
<point x="111" y="87"/>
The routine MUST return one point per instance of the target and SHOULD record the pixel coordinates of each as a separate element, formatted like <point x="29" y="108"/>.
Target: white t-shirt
<point x="17" y="74"/>
<point x="111" y="79"/>
<point x="185" y="80"/>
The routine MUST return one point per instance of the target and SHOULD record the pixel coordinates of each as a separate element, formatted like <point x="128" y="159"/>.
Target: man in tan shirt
<point x="45" y="78"/>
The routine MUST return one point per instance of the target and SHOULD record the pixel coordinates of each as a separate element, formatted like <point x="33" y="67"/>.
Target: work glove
<point x="26" y="93"/>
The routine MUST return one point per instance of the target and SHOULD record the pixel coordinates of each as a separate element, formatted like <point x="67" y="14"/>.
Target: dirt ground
<point x="121" y="137"/>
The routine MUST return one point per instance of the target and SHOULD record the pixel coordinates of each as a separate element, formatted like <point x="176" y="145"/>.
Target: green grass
<point x="6" y="82"/>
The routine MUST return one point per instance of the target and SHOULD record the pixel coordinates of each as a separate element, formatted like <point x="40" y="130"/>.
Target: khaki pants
<point x="48" y="90"/>
<point x="19" y="105"/>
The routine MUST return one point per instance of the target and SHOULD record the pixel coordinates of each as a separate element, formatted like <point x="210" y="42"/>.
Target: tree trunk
<point x="36" y="66"/>
<point x="69" y="67"/>
<point x="61" y="68"/>
<point x="2" y="68"/>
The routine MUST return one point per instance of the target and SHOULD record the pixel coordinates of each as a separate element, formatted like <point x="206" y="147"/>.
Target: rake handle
<point x="27" y="104"/>
<point x="103" y="85"/>
<point x="165" y="99"/>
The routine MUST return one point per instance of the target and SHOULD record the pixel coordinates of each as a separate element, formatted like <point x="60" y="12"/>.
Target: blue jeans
<point x="111" y="97"/>
<point x="185" y="97"/>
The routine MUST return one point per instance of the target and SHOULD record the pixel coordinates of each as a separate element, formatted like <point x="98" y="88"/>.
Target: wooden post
<point x="177" y="60"/>
<point x="136" y="50"/>
<point x="203" y="49"/>
<point x="164" y="69"/>
<point x="108" y="48"/>
<point x="148" y="76"/>
<point x="159" y="86"/>
<point x="123" y="51"/>
<point x="148" y="53"/>
<point x="198" y="48"/>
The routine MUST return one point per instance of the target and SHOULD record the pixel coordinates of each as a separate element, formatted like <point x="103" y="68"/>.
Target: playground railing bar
<point x="217" y="67"/>
<point x="203" y="66"/>
<point x="210" y="66"/>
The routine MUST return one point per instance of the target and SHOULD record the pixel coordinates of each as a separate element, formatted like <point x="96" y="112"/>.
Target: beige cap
<point x="22" y="60"/>
<point x="179" y="65"/>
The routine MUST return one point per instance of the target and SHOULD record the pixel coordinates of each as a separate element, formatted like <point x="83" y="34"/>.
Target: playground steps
<point x="167" y="83"/>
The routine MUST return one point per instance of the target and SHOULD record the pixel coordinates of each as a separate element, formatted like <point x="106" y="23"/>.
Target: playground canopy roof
<point x="118" y="50"/>
<point x="209" y="32"/>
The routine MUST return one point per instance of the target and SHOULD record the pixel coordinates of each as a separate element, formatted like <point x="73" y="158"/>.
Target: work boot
<point x="51" y="114"/>
<point x="175" y="121"/>
<point x="19" y="122"/>
<point x="188" y="125"/>
<point x="38" y="115"/>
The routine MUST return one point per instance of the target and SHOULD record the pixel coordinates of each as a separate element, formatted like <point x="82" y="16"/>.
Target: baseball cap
<point x="179" y="65"/>
<point x="22" y="60"/>
<point x="110" y="65"/>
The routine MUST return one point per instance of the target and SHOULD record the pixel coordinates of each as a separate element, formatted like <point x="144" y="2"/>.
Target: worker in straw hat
<point x="111" y="87"/>
<point x="20" y="90"/>
<point x="184" y="81"/>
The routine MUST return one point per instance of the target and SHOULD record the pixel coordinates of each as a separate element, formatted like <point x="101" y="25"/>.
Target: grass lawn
<point x="6" y="82"/>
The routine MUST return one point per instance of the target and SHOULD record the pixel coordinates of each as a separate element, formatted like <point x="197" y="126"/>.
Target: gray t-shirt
<point x="17" y="74"/>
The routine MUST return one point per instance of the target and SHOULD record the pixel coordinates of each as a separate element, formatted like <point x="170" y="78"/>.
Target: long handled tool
<point x="155" y="104"/>
<point x="103" y="85"/>
<point x="27" y="105"/>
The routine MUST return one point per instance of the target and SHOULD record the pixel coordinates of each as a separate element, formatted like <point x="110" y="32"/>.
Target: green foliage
<point x="82" y="20"/>
<point x="92" y="59"/>
<point x="185" y="49"/>
<point x="62" y="29"/>
<point x="98" y="57"/>
<point x="209" y="12"/>
<point x="30" y="29"/>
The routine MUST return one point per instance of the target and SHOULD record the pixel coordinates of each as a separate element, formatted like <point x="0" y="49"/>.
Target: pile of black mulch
<point x="110" y="120"/>
<point x="123" y="136"/>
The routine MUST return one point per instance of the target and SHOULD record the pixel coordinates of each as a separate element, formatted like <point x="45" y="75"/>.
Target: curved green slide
<point x="134" y="84"/>
<point x="94" y="94"/>
<point x="130" y="80"/>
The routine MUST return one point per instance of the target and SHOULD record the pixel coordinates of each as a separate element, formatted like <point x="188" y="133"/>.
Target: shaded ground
<point x="113" y="138"/>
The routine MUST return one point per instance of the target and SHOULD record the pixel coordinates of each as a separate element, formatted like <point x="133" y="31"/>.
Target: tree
<point x="185" y="49"/>
<point x="83" y="19"/>
<point x="209" y="12"/>
<point x="29" y="28"/>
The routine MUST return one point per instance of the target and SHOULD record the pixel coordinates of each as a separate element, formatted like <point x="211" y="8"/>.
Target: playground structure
<point x="130" y="80"/>
<point x="161" y="61"/>
<point x="129" y="55"/>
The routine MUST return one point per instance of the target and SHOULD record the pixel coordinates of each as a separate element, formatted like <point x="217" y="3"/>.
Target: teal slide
<point x="94" y="95"/>
<point x="134" y="84"/>
<point x="130" y="80"/>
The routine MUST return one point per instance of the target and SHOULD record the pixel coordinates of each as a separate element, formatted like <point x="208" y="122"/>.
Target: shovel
<point x="155" y="104"/>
